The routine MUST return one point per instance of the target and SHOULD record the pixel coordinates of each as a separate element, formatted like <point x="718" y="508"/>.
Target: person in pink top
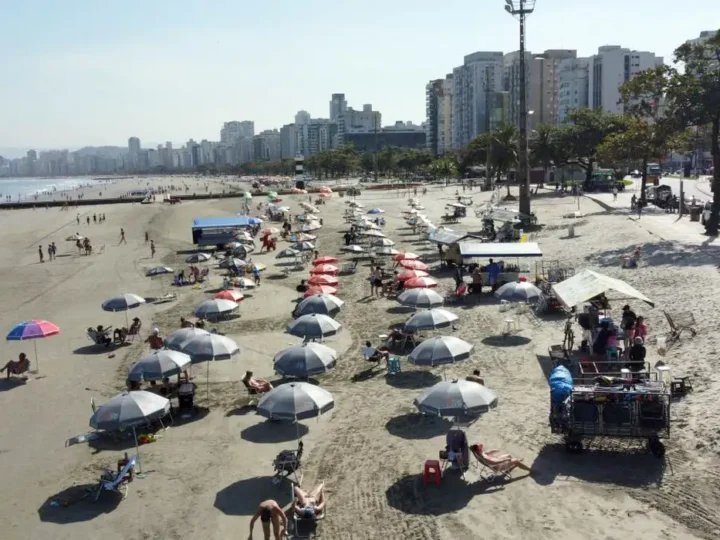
<point x="641" y="328"/>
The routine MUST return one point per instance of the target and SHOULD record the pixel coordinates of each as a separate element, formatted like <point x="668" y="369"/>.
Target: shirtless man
<point x="309" y="505"/>
<point x="270" y="511"/>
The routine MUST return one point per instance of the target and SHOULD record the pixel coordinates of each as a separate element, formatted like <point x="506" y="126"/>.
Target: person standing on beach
<point x="270" y="512"/>
<point x="147" y="237"/>
<point x="42" y="258"/>
<point x="152" y="248"/>
<point x="88" y="220"/>
<point x="122" y="237"/>
<point x="77" y="218"/>
<point x="94" y="218"/>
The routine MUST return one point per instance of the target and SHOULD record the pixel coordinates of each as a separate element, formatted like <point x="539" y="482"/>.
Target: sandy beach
<point x="204" y="478"/>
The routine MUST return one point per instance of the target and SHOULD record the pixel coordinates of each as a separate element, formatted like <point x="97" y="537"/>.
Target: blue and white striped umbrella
<point x="456" y="398"/>
<point x="295" y="401"/>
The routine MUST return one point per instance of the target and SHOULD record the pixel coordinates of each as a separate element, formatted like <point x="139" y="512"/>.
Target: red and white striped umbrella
<point x="421" y="283"/>
<point x="405" y="257"/>
<point x="230" y="294"/>
<point x="327" y="269"/>
<point x="412" y="274"/>
<point x="322" y="279"/>
<point x="414" y="265"/>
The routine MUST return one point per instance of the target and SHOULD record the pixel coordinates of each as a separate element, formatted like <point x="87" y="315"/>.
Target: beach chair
<point x="679" y="322"/>
<point x="302" y="527"/>
<point x="456" y="454"/>
<point x="493" y="465"/>
<point x="97" y="338"/>
<point x="348" y="267"/>
<point x="110" y="481"/>
<point x="252" y="392"/>
<point x="287" y="464"/>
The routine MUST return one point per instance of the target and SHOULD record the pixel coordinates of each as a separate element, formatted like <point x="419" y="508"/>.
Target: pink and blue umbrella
<point x="33" y="329"/>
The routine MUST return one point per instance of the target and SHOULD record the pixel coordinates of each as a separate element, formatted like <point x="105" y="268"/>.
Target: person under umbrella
<point x="33" y="329"/>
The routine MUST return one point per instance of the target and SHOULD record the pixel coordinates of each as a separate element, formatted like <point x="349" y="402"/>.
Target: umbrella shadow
<point x="233" y="500"/>
<point x="417" y="426"/>
<point x="95" y="350"/>
<point x="273" y="432"/>
<point x="366" y="374"/>
<point x="505" y="341"/>
<point x="76" y="504"/>
<point x="412" y="379"/>
<point x="11" y="383"/>
<point x="400" y="310"/>
<point x="198" y="413"/>
<point x="112" y="442"/>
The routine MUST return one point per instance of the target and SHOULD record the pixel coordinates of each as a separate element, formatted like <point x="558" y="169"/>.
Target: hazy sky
<point x="81" y="72"/>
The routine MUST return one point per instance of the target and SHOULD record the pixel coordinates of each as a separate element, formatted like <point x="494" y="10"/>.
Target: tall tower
<point x="299" y="171"/>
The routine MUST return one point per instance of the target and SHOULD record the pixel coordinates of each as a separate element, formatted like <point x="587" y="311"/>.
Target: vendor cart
<point x="614" y="408"/>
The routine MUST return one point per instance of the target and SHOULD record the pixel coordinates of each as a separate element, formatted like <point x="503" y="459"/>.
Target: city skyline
<point x="89" y="75"/>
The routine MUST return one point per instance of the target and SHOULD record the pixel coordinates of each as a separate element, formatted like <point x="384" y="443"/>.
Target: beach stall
<point x="218" y="231"/>
<point x="479" y="253"/>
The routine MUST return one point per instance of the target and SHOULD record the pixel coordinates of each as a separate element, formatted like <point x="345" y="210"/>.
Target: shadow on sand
<point x="412" y="379"/>
<point x="77" y="503"/>
<point x="11" y="383"/>
<point x="506" y="341"/>
<point x="241" y="498"/>
<point x="96" y="350"/>
<point x="417" y="426"/>
<point x="274" y="432"/>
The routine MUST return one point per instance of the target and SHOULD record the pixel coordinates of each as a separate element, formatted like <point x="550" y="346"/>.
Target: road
<point x="698" y="188"/>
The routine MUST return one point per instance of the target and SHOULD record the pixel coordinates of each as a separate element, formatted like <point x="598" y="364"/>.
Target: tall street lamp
<point x="519" y="9"/>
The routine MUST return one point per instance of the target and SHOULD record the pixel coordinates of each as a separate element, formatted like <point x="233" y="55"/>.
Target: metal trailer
<point x="625" y="411"/>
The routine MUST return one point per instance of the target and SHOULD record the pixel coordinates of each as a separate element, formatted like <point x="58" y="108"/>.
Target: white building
<point x="573" y="82"/>
<point x="480" y="76"/>
<point x="288" y="142"/>
<point x="338" y="106"/>
<point x="704" y="36"/>
<point x="609" y="69"/>
<point x="302" y="118"/>
<point x="549" y="102"/>
<point x="232" y="131"/>
<point x="352" y="121"/>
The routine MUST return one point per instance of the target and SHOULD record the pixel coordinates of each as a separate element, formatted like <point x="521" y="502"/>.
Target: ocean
<point x="23" y="189"/>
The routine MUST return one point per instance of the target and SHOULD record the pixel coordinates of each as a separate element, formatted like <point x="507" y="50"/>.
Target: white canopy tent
<point x="588" y="284"/>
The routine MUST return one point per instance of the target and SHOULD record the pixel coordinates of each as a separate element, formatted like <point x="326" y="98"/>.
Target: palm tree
<point x="503" y="150"/>
<point x="544" y="149"/>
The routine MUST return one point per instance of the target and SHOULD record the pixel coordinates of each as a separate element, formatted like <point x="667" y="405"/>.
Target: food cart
<point x="474" y="252"/>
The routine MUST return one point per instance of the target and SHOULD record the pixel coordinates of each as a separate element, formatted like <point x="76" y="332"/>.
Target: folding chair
<point x="115" y="482"/>
<point x="252" y="392"/>
<point x="456" y="454"/>
<point x="493" y="465"/>
<point x="302" y="527"/>
<point x="286" y="465"/>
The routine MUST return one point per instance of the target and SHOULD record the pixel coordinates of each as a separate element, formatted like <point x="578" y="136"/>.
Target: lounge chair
<point x="99" y="338"/>
<point x="110" y="481"/>
<point x="252" y="392"/>
<point x="493" y="464"/>
<point x="302" y="527"/>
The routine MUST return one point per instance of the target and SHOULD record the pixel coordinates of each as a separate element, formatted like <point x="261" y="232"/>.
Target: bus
<point x="603" y="180"/>
<point x="653" y="173"/>
<point x="217" y="231"/>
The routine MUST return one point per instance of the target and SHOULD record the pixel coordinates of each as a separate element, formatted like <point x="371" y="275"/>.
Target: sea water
<point x="25" y="189"/>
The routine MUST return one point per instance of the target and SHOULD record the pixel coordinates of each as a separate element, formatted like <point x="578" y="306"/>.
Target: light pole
<point x="519" y="9"/>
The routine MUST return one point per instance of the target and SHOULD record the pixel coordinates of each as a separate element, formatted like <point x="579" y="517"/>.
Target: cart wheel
<point x="656" y="448"/>
<point x="574" y="447"/>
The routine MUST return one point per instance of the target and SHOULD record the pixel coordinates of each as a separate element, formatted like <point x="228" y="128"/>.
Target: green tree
<point x="504" y="151"/>
<point x="546" y="150"/>
<point x="443" y="167"/>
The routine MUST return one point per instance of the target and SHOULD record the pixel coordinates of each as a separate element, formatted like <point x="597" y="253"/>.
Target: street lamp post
<point x="519" y="9"/>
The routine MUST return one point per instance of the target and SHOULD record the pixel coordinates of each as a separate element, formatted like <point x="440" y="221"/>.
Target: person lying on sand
<point x="310" y="505"/>
<point x="270" y="511"/>
<point x="17" y="368"/>
<point x="259" y="385"/>
<point x="475" y="377"/>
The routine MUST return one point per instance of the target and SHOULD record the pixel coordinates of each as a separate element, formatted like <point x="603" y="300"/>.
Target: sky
<point x="80" y="72"/>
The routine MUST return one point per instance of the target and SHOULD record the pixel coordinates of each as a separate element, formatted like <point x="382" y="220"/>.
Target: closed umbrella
<point x="322" y="304"/>
<point x="420" y="283"/>
<point x="230" y="294"/>
<point x="159" y="270"/>
<point x="158" y="365"/>
<point x="305" y="360"/>
<point x="314" y="326"/>
<point x="430" y="319"/>
<point x="212" y="309"/>
<point x="123" y="302"/>
<point x="518" y="291"/>
<point x="456" y="398"/>
<point x="34" y="329"/>
<point x="414" y="265"/>
<point x="441" y="350"/>
<point x="327" y="269"/>
<point x="322" y="279"/>
<point x="421" y="298"/>
<point x="130" y="410"/>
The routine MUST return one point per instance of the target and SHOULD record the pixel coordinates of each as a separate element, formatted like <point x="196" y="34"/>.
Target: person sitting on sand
<point x="102" y="336"/>
<point x="310" y="505"/>
<point x="475" y="377"/>
<point x="155" y="340"/>
<point x="270" y="512"/>
<point x="184" y="323"/>
<point x="375" y="355"/>
<point x="17" y="368"/>
<point x="259" y="385"/>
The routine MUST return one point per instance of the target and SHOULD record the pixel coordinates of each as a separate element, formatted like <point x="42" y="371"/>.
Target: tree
<point x="504" y="151"/>
<point x="443" y="167"/>
<point x="689" y="99"/>
<point x="546" y="150"/>
<point x="586" y="131"/>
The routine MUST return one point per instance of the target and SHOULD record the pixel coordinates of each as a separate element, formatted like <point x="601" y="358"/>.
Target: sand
<point x="204" y="478"/>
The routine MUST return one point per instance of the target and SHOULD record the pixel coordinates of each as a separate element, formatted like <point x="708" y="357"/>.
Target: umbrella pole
<point x="36" y="356"/>
<point x="137" y="450"/>
<point x="207" y="383"/>
<point x="127" y="324"/>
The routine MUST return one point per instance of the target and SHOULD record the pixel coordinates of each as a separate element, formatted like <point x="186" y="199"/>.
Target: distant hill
<point x="102" y="151"/>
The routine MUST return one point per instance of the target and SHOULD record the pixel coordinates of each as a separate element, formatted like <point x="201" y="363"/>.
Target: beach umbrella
<point x="353" y="248"/>
<point x="322" y="279"/>
<point x="414" y="265"/>
<point x="325" y="189"/>
<point x="308" y="207"/>
<point x="303" y="246"/>
<point x="256" y="266"/>
<point x="130" y="410"/>
<point x="123" y="302"/>
<point x="320" y="289"/>
<point x="373" y="233"/>
<point x="325" y="195"/>
<point x="304" y="237"/>
<point x="33" y="329"/>
<point x="314" y="326"/>
<point x="325" y="259"/>
<point x="430" y="319"/>
<point x="158" y="365"/>
<point x="386" y="251"/>
<point x="405" y="257"/>
<point x="518" y="291"/>
<point x="323" y="304"/>
<point x="74" y="238"/>
<point x="197" y="258"/>
<point x="213" y="309"/>
<point x="421" y="298"/>
<point x="456" y="398"/>
<point x="295" y="401"/>
<point x="230" y="262"/>
<point x="328" y="269"/>
<point x="255" y="221"/>
<point x="159" y="270"/>
<point x="441" y="350"/>
<point x="244" y="283"/>
<point x="230" y="294"/>
<point x="376" y="211"/>
<point x="310" y="226"/>
<point x="382" y="242"/>
<point x="243" y="235"/>
<point x="406" y="275"/>
<point x="233" y="245"/>
<point x="288" y="253"/>
<point x="305" y="360"/>
<point x="420" y="283"/>
<point x="270" y="231"/>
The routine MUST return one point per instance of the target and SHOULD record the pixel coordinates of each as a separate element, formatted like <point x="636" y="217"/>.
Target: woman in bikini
<point x="310" y="505"/>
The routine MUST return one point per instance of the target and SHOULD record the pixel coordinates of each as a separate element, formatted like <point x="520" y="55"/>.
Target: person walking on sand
<point x="42" y="257"/>
<point x="122" y="237"/>
<point x="147" y="237"/>
<point x="88" y="220"/>
<point x="615" y="192"/>
<point x="152" y="248"/>
<point x="270" y="512"/>
<point x="77" y="218"/>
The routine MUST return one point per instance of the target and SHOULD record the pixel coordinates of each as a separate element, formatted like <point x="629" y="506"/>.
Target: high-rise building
<point x="573" y="84"/>
<point x="232" y="131"/>
<point x="352" y="121"/>
<point x="133" y="145"/>
<point x="302" y="118"/>
<point x="445" y="124"/>
<point x="548" y="107"/>
<point x="533" y="87"/>
<point x="338" y="106"/>
<point x="434" y="116"/>
<point x="473" y="85"/>
<point x="266" y="145"/>
<point x="609" y="69"/>
<point x="288" y="141"/>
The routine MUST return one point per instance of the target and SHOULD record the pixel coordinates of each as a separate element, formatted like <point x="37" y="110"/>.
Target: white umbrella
<point x="353" y="248"/>
<point x="244" y="283"/>
<point x="441" y="350"/>
<point x="382" y="242"/>
<point x="288" y="253"/>
<point x="421" y="298"/>
<point x="388" y="251"/>
<point x="303" y="246"/>
<point x="314" y="326"/>
<point x="430" y="319"/>
<point x="197" y="258"/>
<point x="211" y="309"/>
<point x="305" y="360"/>
<point x="373" y="233"/>
<point x="322" y="304"/>
<point x="456" y="398"/>
<point x="130" y="410"/>
<point x="158" y="365"/>
<point x="231" y="261"/>
<point x="295" y="401"/>
<point x="518" y="291"/>
<point x="123" y="302"/>
<point x="158" y="270"/>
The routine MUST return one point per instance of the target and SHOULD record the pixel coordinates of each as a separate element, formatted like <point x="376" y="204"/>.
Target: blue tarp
<point x="230" y="221"/>
<point x="561" y="384"/>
